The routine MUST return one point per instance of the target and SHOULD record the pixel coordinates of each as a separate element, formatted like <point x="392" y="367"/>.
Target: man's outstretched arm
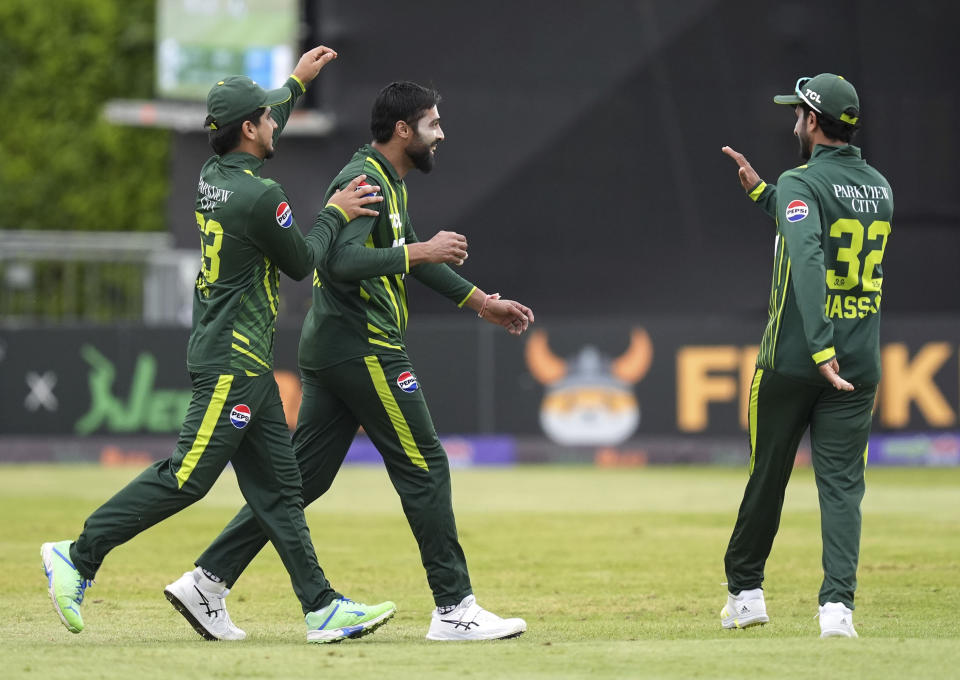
<point x="761" y="193"/>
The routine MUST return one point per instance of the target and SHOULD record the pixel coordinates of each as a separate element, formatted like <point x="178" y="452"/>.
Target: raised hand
<point x="312" y="62"/>
<point x="352" y="202"/>
<point x="748" y="176"/>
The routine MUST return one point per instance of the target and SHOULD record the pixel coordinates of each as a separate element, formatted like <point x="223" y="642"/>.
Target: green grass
<point x="617" y="572"/>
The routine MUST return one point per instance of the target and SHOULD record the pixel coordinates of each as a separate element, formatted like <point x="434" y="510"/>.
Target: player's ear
<point x="401" y="129"/>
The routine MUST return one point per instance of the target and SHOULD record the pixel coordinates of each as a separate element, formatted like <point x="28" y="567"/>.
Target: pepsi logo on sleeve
<point x="365" y="183"/>
<point x="407" y="382"/>
<point x="796" y="210"/>
<point x="284" y="215"/>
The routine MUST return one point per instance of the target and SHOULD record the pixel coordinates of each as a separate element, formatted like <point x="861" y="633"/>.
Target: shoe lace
<point x="473" y="612"/>
<point x="347" y="602"/>
<point x="82" y="585"/>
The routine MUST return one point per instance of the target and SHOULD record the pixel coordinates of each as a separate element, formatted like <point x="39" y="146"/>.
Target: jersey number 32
<point x="839" y="280"/>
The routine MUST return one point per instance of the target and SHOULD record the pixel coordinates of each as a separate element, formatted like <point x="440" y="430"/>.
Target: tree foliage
<point x="62" y="166"/>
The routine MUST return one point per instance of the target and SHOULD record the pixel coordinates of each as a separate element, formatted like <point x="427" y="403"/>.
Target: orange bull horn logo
<point x="589" y="399"/>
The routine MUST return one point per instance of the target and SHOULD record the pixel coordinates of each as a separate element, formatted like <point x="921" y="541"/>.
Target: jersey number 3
<point x="210" y="241"/>
<point x="851" y="255"/>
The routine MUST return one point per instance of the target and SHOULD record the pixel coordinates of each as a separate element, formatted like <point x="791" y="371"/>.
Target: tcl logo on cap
<point x="407" y="382"/>
<point x="284" y="215"/>
<point x="796" y="211"/>
<point x="240" y="416"/>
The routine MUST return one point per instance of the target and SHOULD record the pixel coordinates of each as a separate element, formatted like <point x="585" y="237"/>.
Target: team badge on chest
<point x="240" y="416"/>
<point x="407" y="382"/>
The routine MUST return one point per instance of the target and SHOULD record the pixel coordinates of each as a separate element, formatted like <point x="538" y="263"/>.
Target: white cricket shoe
<point x="200" y="600"/>
<point x="470" y="621"/>
<point x="836" y="620"/>
<point x="744" y="610"/>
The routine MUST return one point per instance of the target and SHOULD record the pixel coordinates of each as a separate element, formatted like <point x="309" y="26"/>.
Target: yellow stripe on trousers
<point x="394" y="412"/>
<point x="754" y="398"/>
<point x="209" y="423"/>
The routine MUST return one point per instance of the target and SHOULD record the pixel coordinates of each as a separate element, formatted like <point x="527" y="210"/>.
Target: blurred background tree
<point x="62" y="166"/>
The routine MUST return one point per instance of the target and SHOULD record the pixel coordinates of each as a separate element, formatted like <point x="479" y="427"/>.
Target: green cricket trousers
<point x="231" y="418"/>
<point x="781" y="409"/>
<point x="380" y="393"/>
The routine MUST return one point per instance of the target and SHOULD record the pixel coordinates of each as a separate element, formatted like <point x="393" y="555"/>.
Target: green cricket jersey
<point x="247" y="235"/>
<point x="833" y="220"/>
<point x="359" y="292"/>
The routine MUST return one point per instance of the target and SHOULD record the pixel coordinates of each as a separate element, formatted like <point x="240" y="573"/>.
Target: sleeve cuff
<point x="757" y="191"/>
<point x="346" y="220"/>
<point x="464" y="300"/>
<point x="303" y="88"/>
<point x="824" y="355"/>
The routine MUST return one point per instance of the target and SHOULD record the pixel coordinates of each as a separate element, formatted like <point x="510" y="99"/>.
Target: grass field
<point x="617" y="572"/>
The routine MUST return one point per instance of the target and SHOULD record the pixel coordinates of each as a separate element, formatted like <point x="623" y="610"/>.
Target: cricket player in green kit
<point x="833" y="218"/>
<point x="248" y="234"/>
<point x="355" y="368"/>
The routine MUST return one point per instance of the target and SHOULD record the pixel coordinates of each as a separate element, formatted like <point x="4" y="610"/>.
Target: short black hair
<point x="834" y="129"/>
<point x="227" y="138"/>
<point x="402" y="100"/>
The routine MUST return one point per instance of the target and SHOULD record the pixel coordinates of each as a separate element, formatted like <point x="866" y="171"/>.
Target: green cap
<point x="828" y="94"/>
<point x="236" y="96"/>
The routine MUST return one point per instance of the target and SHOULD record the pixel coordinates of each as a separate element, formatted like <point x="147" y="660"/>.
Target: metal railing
<point x="56" y="277"/>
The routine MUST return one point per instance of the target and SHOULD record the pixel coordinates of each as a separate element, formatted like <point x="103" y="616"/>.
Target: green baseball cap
<point x="828" y="94"/>
<point x="236" y="96"/>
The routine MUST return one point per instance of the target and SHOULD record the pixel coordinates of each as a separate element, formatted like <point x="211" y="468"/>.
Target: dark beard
<point x="805" y="149"/>
<point x="422" y="159"/>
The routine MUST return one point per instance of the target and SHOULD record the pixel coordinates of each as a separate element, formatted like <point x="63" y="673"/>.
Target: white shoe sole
<point x="349" y="632"/>
<point x="516" y="631"/>
<point x="742" y="622"/>
<point x="837" y="632"/>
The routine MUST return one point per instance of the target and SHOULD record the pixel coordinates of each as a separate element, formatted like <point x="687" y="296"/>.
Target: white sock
<point x="204" y="582"/>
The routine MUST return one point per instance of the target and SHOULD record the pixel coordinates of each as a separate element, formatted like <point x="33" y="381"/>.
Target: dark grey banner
<point x="589" y="383"/>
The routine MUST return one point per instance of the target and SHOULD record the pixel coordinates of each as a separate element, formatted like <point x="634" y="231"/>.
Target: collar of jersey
<point x="368" y="150"/>
<point x="241" y="160"/>
<point x="823" y="150"/>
